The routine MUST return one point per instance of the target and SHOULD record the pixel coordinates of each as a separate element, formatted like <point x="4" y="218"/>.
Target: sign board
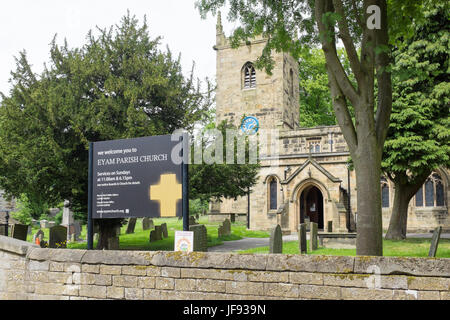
<point x="184" y="241"/>
<point x="134" y="178"/>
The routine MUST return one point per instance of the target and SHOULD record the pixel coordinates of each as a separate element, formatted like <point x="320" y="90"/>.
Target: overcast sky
<point x="31" y="25"/>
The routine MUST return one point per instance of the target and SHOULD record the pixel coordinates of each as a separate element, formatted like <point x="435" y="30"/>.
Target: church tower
<point x="243" y="90"/>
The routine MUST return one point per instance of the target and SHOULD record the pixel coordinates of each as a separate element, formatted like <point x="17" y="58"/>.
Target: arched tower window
<point x="273" y="194"/>
<point x="384" y="193"/>
<point x="249" y="76"/>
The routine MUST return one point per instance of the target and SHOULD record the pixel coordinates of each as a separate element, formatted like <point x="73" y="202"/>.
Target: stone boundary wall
<point x="29" y="272"/>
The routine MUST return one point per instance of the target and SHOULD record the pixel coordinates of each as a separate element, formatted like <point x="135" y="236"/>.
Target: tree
<point x="418" y="137"/>
<point x="118" y="85"/>
<point x="358" y="24"/>
<point x="316" y="108"/>
<point x="213" y="181"/>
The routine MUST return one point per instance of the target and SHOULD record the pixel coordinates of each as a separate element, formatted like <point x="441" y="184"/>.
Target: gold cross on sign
<point x="167" y="192"/>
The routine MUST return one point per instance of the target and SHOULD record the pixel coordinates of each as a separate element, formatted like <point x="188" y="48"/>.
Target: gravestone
<point x="19" y="231"/>
<point x="44" y="224"/>
<point x="308" y="223"/>
<point x="156" y="234"/>
<point x="313" y="236"/>
<point x="67" y="218"/>
<point x="57" y="237"/>
<point x="131" y="225"/>
<point x="330" y="226"/>
<point x="302" y="244"/>
<point x="276" y="240"/>
<point x="435" y="242"/>
<point x="192" y="221"/>
<point x="51" y="224"/>
<point x="225" y="228"/>
<point x="3" y="228"/>
<point x="200" y="237"/>
<point x="38" y="237"/>
<point x="147" y="224"/>
<point x="164" y="231"/>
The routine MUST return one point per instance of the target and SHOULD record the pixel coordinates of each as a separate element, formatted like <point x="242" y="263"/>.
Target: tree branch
<point x="382" y="61"/>
<point x="329" y="49"/>
<point x="344" y="34"/>
<point x="343" y="114"/>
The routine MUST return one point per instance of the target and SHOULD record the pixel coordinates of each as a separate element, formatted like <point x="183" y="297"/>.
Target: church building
<point x="311" y="181"/>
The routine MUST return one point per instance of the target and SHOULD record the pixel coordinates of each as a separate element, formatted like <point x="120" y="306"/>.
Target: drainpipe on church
<point x="248" y="208"/>
<point x="349" y="208"/>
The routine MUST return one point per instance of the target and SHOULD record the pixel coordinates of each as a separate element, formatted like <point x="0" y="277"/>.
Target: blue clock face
<point x="250" y="125"/>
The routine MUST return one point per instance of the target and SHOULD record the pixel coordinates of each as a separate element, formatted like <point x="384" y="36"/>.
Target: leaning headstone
<point x="330" y="226"/>
<point x="192" y="220"/>
<point x="131" y="225"/>
<point x="57" y="237"/>
<point x="147" y="224"/>
<point x="224" y="228"/>
<point x="158" y="231"/>
<point x="435" y="242"/>
<point x="19" y="231"/>
<point x="164" y="231"/>
<point x="276" y="240"/>
<point x="313" y="236"/>
<point x="152" y="236"/>
<point x="200" y="237"/>
<point x="302" y="238"/>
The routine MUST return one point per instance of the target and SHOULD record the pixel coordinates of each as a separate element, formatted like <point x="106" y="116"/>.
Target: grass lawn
<point x="407" y="248"/>
<point x="140" y="239"/>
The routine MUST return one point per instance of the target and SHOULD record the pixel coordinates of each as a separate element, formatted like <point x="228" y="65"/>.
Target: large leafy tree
<point x="118" y="85"/>
<point x="358" y="26"/>
<point x="419" y="134"/>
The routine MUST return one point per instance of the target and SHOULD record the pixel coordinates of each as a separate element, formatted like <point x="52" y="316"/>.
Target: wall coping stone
<point x="15" y="246"/>
<point x="428" y="267"/>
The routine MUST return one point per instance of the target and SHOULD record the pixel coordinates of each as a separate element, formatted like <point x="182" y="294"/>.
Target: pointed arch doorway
<point x="311" y="206"/>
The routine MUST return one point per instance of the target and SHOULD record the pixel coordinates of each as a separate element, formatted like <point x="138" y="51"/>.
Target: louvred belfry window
<point x="249" y="75"/>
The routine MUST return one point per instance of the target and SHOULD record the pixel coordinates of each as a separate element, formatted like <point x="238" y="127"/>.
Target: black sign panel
<point x="137" y="178"/>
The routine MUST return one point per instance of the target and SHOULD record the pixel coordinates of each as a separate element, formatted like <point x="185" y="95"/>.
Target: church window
<point x="384" y="193"/>
<point x="432" y="192"/>
<point x="429" y="193"/>
<point x="273" y="194"/>
<point x="419" y="197"/>
<point x="249" y="76"/>
<point x="314" y="145"/>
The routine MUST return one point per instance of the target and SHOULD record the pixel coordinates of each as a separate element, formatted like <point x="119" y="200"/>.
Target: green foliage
<point x="419" y="135"/>
<point x="28" y="210"/>
<point x="217" y="180"/>
<point x="198" y="206"/>
<point x="118" y="85"/>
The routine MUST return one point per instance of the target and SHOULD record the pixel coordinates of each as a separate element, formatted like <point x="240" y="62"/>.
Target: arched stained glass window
<point x="429" y="193"/>
<point x="419" y="197"/>
<point x="273" y="194"/>
<point x="249" y="76"/>
<point x="384" y="193"/>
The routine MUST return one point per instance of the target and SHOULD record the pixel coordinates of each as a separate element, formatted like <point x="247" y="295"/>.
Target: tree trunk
<point x="402" y="196"/>
<point x="369" y="239"/>
<point x="107" y="230"/>
<point x="399" y="216"/>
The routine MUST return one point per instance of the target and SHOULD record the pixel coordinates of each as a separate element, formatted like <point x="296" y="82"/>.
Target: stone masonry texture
<point x="28" y="272"/>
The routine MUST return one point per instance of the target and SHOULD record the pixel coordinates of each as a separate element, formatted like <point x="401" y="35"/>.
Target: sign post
<point x="137" y="178"/>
